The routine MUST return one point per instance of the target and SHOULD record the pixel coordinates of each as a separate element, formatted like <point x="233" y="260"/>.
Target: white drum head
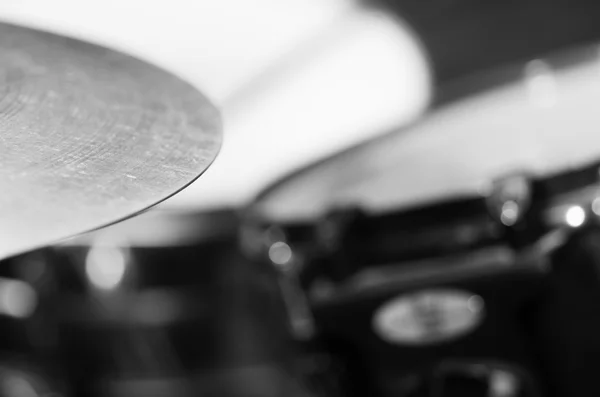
<point x="545" y="120"/>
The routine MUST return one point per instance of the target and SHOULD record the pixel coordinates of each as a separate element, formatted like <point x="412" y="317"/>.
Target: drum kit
<point x="456" y="256"/>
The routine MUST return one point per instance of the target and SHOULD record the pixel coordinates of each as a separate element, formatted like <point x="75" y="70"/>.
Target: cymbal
<point x="90" y="136"/>
<point x="532" y="118"/>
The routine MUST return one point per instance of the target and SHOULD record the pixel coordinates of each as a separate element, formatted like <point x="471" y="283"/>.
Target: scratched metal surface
<point x="89" y="136"/>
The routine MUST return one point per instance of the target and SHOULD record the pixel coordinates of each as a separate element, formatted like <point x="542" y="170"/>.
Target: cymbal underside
<point x="540" y="119"/>
<point x="89" y="136"/>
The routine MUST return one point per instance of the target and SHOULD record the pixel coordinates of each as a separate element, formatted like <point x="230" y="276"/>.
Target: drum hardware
<point x="509" y="199"/>
<point x="322" y="292"/>
<point x="577" y="203"/>
<point x="487" y="378"/>
<point x="288" y="267"/>
<point x="331" y="233"/>
<point x="300" y="317"/>
<point x="270" y="245"/>
<point x="406" y="215"/>
<point x="502" y="214"/>
<point x="441" y="270"/>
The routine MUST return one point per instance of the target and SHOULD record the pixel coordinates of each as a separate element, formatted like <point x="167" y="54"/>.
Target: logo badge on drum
<point x="428" y="317"/>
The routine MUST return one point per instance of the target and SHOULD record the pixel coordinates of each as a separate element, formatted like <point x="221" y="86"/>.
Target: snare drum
<point x="419" y="263"/>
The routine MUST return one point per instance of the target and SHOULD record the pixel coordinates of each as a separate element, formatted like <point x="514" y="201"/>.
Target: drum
<point x="431" y="261"/>
<point x="159" y="305"/>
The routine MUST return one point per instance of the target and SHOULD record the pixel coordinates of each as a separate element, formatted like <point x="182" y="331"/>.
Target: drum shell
<point x="102" y="345"/>
<point x="221" y="340"/>
<point x="345" y="330"/>
<point x="566" y="320"/>
<point x="182" y="321"/>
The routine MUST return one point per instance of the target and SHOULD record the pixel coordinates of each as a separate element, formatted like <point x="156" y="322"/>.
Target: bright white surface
<point x="296" y="79"/>
<point x="361" y="78"/>
<point x="543" y="124"/>
<point x="105" y="266"/>
<point x="17" y="298"/>
<point x="218" y="45"/>
<point x="575" y="216"/>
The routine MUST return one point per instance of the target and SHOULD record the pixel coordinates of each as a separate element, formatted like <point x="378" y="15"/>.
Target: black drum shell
<point x="217" y="338"/>
<point x="566" y="326"/>
<point x="503" y="335"/>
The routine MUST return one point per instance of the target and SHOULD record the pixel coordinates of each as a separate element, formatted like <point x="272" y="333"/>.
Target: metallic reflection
<point x="575" y="216"/>
<point x="17" y="299"/>
<point x="280" y="253"/>
<point x="105" y="266"/>
<point x="510" y="213"/>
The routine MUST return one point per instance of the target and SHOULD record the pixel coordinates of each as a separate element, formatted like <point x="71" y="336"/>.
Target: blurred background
<point x="170" y="302"/>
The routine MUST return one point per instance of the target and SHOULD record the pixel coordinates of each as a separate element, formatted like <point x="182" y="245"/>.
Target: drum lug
<point x="509" y="199"/>
<point x="260" y="241"/>
<point x="288" y="266"/>
<point x="300" y="317"/>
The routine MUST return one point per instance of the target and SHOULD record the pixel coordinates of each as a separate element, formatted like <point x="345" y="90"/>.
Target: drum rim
<point x="446" y="95"/>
